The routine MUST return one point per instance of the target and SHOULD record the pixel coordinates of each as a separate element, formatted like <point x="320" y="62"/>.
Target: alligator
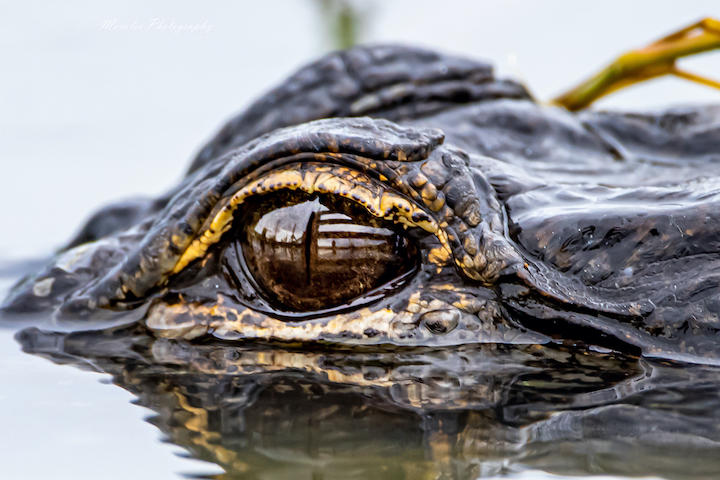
<point x="397" y="265"/>
<point x="393" y="195"/>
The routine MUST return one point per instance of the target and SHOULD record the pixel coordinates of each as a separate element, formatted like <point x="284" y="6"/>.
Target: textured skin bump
<point x="387" y="81"/>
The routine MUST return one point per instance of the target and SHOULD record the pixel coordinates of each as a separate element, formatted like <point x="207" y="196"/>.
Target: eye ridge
<point x="319" y="270"/>
<point x="379" y="201"/>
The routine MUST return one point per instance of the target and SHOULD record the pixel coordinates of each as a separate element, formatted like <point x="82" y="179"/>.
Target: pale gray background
<point x="100" y="101"/>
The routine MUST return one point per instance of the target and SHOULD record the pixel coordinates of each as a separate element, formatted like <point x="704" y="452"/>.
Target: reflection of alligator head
<point x="478" y="216"/>
<point x="268" y="412"/>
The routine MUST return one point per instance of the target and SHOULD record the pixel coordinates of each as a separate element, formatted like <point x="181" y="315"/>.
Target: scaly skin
<point x="532" y="223"/>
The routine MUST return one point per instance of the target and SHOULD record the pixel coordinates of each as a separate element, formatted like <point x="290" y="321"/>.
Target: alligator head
<point x="474" y="216"/>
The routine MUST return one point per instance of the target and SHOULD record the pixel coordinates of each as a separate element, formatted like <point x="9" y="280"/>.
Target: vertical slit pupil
<point x="309" y="237"/>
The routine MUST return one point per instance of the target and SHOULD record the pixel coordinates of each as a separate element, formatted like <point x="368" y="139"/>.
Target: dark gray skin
<point x="596" y="228"/>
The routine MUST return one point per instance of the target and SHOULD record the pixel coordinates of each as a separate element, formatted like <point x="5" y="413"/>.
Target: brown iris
<point x="312" y="253"/>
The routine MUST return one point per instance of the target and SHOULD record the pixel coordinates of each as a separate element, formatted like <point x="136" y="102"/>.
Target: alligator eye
<point x="313" y="253"/>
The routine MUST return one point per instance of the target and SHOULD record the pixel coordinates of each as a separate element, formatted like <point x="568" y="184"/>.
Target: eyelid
<point x="310" y="178"/>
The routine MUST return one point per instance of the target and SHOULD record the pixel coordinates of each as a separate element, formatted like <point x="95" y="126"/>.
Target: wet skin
<point x="394" y="196"/>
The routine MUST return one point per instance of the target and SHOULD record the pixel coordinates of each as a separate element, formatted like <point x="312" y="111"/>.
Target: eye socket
<point x="312" y="252"/>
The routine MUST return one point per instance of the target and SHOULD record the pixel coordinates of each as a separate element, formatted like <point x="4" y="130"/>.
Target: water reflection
<point x="262" y="411"/>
